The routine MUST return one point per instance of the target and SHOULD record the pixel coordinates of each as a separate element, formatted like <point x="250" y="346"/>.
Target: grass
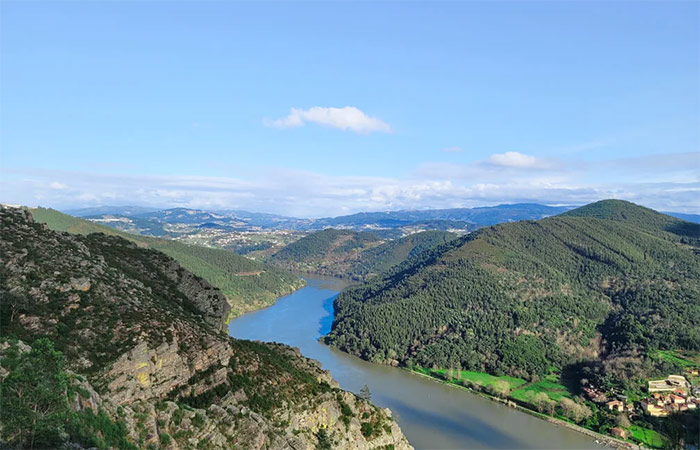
<point x="480" y="378"/>
<point x="550" y="386"/>
<point x="678" y="359"/>
<point x="645" y="436"/>
<point x="520" y="389"/>
<point x="524" y="391"/>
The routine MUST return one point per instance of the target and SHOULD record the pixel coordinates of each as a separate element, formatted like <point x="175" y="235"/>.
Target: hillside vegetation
<point x="107" y="344"/>
<point x="352" y="254"/>
<point x="248" y="285"/>
<point x="530" y="297"/>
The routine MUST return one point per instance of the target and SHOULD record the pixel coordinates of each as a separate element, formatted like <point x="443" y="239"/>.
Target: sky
<point x="328" y="108"/>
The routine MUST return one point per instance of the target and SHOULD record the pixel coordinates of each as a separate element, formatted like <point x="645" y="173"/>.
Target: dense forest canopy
<point x="352" y="254"/>
<point x="529" y="297"/>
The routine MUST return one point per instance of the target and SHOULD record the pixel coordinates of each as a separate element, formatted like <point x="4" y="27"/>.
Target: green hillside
<point x="352" y="254"/>
<point x="640" y="217"/>
<point x="248" y="285"/>
<point x="379" y="259"/>
<point x="327" y="252"/>
<point x="326" y="242"/>
<point x="530" y="297"/>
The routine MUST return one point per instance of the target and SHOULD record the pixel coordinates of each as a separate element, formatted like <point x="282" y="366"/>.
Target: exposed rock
<point x="148" y="335"/>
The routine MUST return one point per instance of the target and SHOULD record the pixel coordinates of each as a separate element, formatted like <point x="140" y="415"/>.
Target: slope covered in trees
<point x="529" y="297"/>
<point x="248" y="285"/>
<point x="351" y="254"/>
<point x="106" y="344"/>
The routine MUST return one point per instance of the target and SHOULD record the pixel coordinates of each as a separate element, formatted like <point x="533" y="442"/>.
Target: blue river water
<point x="431" y="414"/>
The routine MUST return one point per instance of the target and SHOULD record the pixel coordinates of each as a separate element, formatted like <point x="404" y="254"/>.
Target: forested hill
<point x="669" y="227"/>
<point x="352" y="254"/>
<point x="533" y="296"/>
<point x="106" y="344"/>
<point x="248" y="285"/>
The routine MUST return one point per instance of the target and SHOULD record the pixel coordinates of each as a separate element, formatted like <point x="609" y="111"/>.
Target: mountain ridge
<point x="219" y="267"/>
<point x="571" y="272"/>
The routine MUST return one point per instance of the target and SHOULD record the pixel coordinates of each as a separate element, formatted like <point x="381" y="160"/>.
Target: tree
<point x="543" y="403"/>
<point x="501" y="388"/>
<point x="575" y="411"/>
<point x="623" y="421"/>
<point x="324" y="441"/>
<point x="365" y="394"/>
<point x="34" y="403"/>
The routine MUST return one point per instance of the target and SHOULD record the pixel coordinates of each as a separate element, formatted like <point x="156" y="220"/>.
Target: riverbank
<point x="431" y="415"/>
<point x="240" y="306"/>
<point x="601" y="439"/>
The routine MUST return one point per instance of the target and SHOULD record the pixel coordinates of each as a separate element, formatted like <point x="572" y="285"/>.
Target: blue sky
<point x="328" y="108"/>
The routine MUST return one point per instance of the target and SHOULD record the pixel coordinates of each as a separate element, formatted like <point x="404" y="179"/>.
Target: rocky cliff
<point x="145" y="341"/>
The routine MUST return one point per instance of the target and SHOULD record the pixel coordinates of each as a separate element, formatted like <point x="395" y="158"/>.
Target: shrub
<point x="367" y="429"/>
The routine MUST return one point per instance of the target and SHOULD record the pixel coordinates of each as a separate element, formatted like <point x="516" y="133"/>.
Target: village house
<point x="671" y="383"/>
<point x="676" y="399"/>
<point x="672" y="394"/>
<point x="595" y="395"/>
<point x="654" y="410"/>
<point x="616" y="405"/>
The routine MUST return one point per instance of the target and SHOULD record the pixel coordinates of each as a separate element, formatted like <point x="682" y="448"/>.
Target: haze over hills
<point x="107" y="209"/>
<point x="128" y="351"/>
<point x="528" y="297"/>
<point x="695" y="218"/>
<point x="460" y="217"/>
<point x="247" y="284"/>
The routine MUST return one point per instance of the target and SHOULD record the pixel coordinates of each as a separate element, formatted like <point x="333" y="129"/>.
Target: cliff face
<point x="148" y="337"/>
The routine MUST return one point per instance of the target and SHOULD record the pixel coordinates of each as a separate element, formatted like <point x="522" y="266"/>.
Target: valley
<point x="349" y="225"/>
<point x="431" y="414"/>
<point x="555" y="317"/>
<point x="128" y="350"/>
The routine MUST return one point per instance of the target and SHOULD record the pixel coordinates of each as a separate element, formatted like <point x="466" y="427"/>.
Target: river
<point x="431" y="414"/>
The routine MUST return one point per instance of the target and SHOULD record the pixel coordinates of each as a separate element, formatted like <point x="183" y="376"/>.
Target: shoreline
<point x="232" y="317"/>
<point x="602" y="439"/>
<point x="304" y="277"/>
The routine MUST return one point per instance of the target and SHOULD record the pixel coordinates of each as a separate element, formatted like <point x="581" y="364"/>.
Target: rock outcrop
<point x="145" y="340"/>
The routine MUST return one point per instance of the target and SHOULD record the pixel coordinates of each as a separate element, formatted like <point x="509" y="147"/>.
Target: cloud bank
<point x="436" y="185"/>
<point x="346" y="118"/>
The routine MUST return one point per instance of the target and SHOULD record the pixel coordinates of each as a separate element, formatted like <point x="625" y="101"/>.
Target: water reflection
<point x="432" y="415"/>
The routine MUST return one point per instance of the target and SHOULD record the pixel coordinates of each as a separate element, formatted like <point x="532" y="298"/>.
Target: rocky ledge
<point x="144" y="343"/>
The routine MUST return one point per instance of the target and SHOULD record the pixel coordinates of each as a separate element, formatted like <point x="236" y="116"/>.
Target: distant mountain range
<point x="99" y="210"/>
<point x="695" y="218"/>
<point x="151" y="219"/>
<point x="148" y="221"/>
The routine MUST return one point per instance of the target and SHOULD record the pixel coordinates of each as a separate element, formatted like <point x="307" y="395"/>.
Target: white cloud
<point x="518" y="161"/>
<point x="58" y="186"/>
<point x="454" y="149"/>
<point x="347" y="118"/>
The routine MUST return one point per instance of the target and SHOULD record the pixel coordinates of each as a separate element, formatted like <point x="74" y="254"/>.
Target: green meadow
<point x="647" y="437"/>
<point x="550" y="386"/>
